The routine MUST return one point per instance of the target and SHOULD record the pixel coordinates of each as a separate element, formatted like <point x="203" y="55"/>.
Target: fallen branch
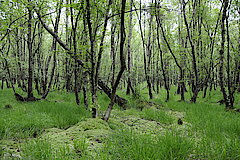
<point x="119" y="100"/>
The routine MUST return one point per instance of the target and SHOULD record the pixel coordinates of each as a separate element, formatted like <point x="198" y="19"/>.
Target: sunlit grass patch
<point x="43" y="149"/>
<point x="29" y="119"/>
<point x="126" y="144"/>
<point x="156" y="115"/>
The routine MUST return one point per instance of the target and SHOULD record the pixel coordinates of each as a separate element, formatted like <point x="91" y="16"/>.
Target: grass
<point x="31" y="118"/>
<point x="42" y="149"/>
<point x="156" y="115"/>
<point x="127" y="144"/>
<point x="217" y="131"/>
<point x="213" y="132"/>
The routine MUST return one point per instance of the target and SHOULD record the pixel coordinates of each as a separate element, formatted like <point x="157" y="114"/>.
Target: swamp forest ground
<point x="57" y="128"/>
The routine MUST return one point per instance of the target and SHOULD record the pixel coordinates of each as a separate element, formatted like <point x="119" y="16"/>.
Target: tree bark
<point x="120" y="101"/>
<point x="195" y="87"/>
<point x="146" y="69"/>
<point x="129" y="66"/>
<point x="30" y="53"/>
<point x="53" y="49"/>
<point x="182" y="86"/>
<point x="221" y="54"/>
<point x="122" y="61"/>
<point x="92" y="57"/>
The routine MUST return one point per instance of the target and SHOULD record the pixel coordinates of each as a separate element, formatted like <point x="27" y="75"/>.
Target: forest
<point x="120" y="79"/>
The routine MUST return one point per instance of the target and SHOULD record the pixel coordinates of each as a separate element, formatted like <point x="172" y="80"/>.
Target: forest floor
<point x="57" y="128"/>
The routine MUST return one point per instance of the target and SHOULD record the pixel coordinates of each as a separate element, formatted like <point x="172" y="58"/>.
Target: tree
<point x="122" y="61"/>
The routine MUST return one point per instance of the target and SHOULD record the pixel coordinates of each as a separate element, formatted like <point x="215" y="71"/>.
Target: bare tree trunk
<point x="175" y="59"/>
<point x="30" y="53"/>
<point x="195" y="86"/>
<point x="129" y="82"/>
<point x="92" y="57"/>
<point x="122" y="60"/>
<point x="162" y="65"/>
<point x="146" y="70"/>
<point x="113" y="52"/>
<point x="74" y="40"/>
<point x="238" y="62"/>
<point x="99" y="58"/>
<point x="221" y="53"/>
<point x="231" y="89"/>
<point x="53" y="49"/>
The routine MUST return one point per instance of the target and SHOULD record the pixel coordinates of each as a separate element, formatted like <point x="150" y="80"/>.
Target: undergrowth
<point x="212" y="133"/>
<point x="30" y="119"/>
<point x="127" y="144"/>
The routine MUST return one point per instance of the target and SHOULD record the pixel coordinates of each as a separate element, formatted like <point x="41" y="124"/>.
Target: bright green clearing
<point x="59" y="129"/>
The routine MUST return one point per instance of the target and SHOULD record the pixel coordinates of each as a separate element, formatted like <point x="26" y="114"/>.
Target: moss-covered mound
<point x="10" y="149"/>
<point x="86" y="139"/>
<point x="83" y="138"/>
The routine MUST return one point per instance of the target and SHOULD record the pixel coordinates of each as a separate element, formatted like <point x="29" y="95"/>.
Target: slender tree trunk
<point x="231" y="90"/>
<point x="162" y="66"/>
<point x="30" y="53"/>
<point x="74" y="40"/>
<point x="99" y="58"/>
<point x="195" y="87"/>
<point x="129" y="66"/>
<point x="146" y="71"/>
<point x="175" y="59"/>
<point x="221" y="53"/>
<point x="92" y="58"/>
<point x="113" y="52"/>
<point x="122" y="61"/>
<point x="53" y="49"/>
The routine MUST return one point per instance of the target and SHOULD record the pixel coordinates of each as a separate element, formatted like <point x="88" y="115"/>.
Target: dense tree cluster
<point x="90" y="45"/>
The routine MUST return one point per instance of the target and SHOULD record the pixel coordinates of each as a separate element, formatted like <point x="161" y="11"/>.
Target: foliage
<point x="58" y="53"/>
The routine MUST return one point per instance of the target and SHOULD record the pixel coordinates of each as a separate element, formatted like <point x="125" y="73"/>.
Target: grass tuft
<point x="31" y="118"/>
<point x="126" y="144"/>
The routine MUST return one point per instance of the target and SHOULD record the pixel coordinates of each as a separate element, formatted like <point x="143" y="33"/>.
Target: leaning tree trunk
<point x="120" y="101"/>
<point x="53" y="49"/>
<point x="182" y="86"/>
<point x="122" y="60"/>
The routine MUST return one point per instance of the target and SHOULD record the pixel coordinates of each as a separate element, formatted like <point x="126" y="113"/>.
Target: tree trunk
<point x="129" y="66"/>
<point x="122" y="60"/>
<point x="53" y="49"/>
<point x="30" y="53"/>
<point x="162" y="66"/>
<point x="174" y="57"/>
<point x="146" y="71"/>
<point x="119" y="100"/>
<point x="221" y="53"/>
<point x="92" y="57"/>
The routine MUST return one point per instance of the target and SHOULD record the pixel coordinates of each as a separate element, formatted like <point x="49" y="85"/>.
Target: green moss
<point x="71" y="139"/>
<point x="176" y="114"/>
<point x="88" y="135"/>
<point x="132" y="119"/>
<point x="9" y="149"/>
<point x="90" y="124"/>
<point x="141" y="104"/>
